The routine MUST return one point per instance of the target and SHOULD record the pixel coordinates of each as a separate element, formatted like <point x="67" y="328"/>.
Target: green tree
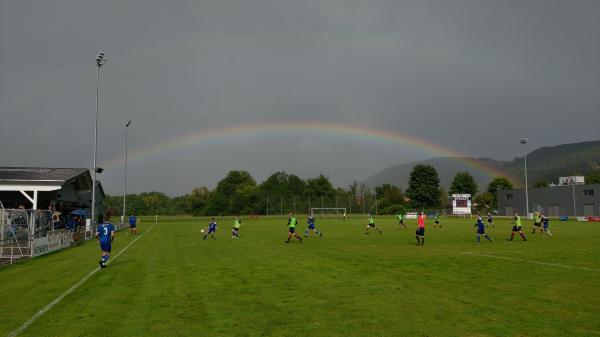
<point x="388" y="195"/>
<point x="498" y="184"/>
<point x="320" y="186"/>
<point x="463" y="183"/>
<point x="592" y="179"/>
<point x="199" y="199"/>
<point x="224" y="199"/>
<point x="424" y="186"/>
<point x="484" y="202"/>
<point x="541" y="183"/>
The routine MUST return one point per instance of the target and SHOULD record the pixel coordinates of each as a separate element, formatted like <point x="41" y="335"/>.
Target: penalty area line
<point x="57" y="300"/>
<point x="531" y="261"/>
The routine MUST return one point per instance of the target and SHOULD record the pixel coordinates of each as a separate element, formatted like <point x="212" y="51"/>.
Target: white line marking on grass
<point x="531" y="261"/>
<point x="70" y="290"/>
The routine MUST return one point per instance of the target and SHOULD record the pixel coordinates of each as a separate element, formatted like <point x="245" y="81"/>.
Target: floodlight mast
<point x="125" y="175"/>
<point x="524" y="141"/>
<point x="100" y="60"/>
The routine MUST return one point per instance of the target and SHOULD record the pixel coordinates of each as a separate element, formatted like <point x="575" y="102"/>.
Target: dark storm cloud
<point x="471" y="75"/>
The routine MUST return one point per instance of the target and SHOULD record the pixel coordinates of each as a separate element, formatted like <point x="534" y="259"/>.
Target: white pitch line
<point x="70" y="290"/>
<point x="530" y="261"/>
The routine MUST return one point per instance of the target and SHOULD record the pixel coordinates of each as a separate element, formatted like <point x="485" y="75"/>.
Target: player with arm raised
<point x="420" y="233"/>
<point x="311" y="227"/>
<point x="105" y="233"/>
<point x="292" y="222"/>
<point x="481" y="229"/>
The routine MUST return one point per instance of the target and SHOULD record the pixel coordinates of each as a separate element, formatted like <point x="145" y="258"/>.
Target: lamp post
<point x="125" y="175"/>
<point x="524" y="141"/>
<point x="100" y="60"/>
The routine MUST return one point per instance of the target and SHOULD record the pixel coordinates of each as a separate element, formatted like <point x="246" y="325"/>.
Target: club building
<point x="560" y="200"/>
<point x="37" y="188"/>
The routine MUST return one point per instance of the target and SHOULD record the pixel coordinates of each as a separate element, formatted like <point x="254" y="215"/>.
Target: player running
<point x="371" y="224"/>
<point x="481" y="229"/>
<point x="490" y="220"/>
<point x="133" y="224"/>
<point x="212" y="228"/>
<point x="420" y="233"/>
<point x="235" y="230"/>
<point x="292" y="222"/>
<point x="105" y="233"/>
<point x="545" y="221"/>
<point x="311" y="226"/>
<point x="400" y="218"/>
<point x="537" y="222"/>
<point x="517" y="227"/>
<point x="436" y="222"/>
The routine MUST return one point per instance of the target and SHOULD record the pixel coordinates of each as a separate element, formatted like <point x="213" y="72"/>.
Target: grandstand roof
<point x="39" y="174"/>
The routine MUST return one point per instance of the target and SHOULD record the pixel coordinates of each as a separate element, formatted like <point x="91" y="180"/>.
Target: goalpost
<point x="331" y="212"/>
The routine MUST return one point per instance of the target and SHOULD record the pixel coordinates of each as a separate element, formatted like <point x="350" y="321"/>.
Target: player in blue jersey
<point x="545" y="221"/>
<point x="490" y="220"/>
<point x="105" y="233"/>
<point x="133" y="224"/>
<point x="212" y="228"/>
<point x="311" y="227"/>
<point x="481" y="229"/>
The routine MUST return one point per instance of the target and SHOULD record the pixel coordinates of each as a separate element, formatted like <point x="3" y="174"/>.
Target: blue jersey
<point x="480" y="225"/>
<point x="105" y="232"/>
<point x="545" y="222"/>
<point x="132" y="220"/>
<point x="212" y="226"/>
<point x="311" y="221"/>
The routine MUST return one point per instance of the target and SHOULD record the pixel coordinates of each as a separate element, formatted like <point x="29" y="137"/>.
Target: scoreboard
<point x="461" y="204"/>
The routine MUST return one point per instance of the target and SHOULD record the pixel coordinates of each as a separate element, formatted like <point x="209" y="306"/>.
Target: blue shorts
<point x="132" y="225"/>
<point x="292" y="230"/>
<point x="480" y="231"/>
<point x="311" y="226"/>
<point x="421" y="231"/>
<point x="211" y="230"/>
<point x="105" y="246"/>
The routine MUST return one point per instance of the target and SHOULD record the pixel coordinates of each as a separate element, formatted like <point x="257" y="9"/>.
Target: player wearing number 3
<point x="105" y="233"/>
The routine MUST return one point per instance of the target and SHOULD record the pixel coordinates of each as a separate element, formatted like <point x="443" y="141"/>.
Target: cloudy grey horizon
<point x="468" y="75"/>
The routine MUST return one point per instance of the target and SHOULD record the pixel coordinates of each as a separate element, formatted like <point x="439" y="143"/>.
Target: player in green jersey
<point x="400" y="218"/>
<point x="517" y="228"/>
<point x="371" y="224"/>
<point x="235" y="231"/>
<point x="292" y="222"/>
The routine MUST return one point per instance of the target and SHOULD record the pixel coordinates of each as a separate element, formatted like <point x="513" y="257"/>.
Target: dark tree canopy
<point x="463" y="183"/>
<point x="424" y="187"/>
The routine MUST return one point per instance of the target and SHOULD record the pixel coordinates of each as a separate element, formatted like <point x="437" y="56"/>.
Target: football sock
<point x="523" y="236"/>
<point x="512" y="236"/>
<point x="478" y="238"/>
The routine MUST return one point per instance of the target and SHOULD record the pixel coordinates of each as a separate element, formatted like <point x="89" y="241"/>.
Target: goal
<point x="339" y="213"/>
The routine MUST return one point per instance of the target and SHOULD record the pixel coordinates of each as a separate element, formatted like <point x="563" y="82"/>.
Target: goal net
<point x="338" y="213"/>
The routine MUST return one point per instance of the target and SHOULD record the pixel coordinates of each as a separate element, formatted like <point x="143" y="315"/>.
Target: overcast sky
<point x="472" y="76"/>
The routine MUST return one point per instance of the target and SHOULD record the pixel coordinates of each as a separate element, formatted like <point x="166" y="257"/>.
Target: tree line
<point x="239" y="193"/>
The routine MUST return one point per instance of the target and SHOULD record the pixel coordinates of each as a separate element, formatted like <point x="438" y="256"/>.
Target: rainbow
<point x="365" y="132"/>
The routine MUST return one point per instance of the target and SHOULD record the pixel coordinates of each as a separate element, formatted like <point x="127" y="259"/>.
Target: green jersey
<point x="237" y="223"/>
<point x="371" y="221"/>
<point x="517" y="221"/>
<point x="292" y="222"/>
<point x="538" y="218"/>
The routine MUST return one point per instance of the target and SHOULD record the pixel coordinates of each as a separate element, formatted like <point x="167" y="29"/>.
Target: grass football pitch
<point x="170" y="282"/>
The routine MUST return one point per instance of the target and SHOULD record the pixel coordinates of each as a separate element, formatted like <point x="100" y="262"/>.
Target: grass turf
<point x="172" y="283"/>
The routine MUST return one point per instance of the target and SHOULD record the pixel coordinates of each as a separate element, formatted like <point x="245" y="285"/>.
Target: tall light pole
<point x="125" y="175"/>
<point x="524" y="141"/>
<point x="100" y="60"/>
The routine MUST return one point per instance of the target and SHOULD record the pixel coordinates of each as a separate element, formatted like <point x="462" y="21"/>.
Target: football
<point x="202" y="231"/>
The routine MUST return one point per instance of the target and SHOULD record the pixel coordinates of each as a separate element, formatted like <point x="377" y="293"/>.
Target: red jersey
<point x="421" y="221"/>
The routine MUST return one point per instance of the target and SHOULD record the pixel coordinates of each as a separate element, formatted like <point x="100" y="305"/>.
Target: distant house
<point x="40" y="187"/>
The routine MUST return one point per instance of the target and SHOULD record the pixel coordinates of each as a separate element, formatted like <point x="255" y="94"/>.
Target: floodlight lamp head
<point x="523" y="140"/>
<point x="100" y="60"/>
<point x="128" y="123"/>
